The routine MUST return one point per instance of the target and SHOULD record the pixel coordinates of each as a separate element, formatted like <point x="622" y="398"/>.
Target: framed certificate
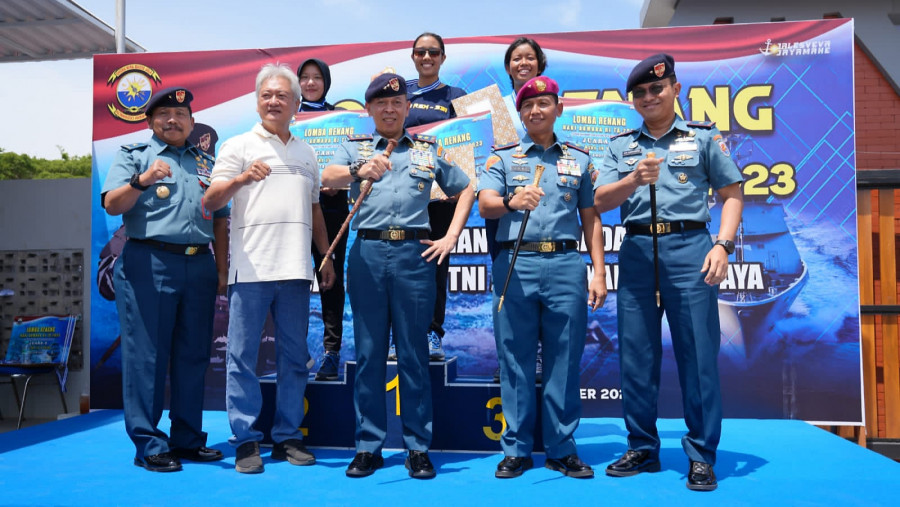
<point x="489" y="99"/>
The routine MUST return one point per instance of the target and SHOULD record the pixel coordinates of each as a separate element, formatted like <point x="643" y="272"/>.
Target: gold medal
<point x="162" y="192"/>
<point x="682" y="178"/>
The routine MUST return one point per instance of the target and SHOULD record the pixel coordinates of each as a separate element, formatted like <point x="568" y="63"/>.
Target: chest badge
<point x="567" y="197"/>
<point x="682" y="178"/>
<point x="162" y="192"/>
<point x="631" y="161"/>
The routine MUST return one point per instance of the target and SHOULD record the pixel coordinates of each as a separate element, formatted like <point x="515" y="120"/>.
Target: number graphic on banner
<point x="785" y="180"/>
<point x="394" y="384"/>
<point x="489" y="430"/>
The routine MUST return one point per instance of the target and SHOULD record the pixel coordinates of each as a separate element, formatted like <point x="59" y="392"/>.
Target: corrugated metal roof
<point x="37" y="30"/>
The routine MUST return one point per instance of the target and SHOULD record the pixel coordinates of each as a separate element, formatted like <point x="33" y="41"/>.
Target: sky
<point x="45" y="107"/>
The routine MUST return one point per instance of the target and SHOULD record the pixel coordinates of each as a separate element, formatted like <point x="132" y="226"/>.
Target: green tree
<point x="14" y="166"/>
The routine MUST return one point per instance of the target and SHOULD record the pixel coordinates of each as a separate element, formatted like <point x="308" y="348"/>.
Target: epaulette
<point x="626" y="133"/>
<point x="576" y="147"/>
<point x="359" y="137"/>
<point x="134" y="146"/>
<point x="498" y="147"/>
<point x="424" y="138"/>
<point x="701" y="124"/>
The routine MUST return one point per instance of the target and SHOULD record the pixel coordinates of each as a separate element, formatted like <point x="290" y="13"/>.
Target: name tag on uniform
<point x="684" y="146"/>
<point x="631" y="153"/>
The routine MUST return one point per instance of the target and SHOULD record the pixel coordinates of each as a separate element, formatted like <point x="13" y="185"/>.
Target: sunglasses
<point x="654" y="90"/>
<point x="433" y="52"/>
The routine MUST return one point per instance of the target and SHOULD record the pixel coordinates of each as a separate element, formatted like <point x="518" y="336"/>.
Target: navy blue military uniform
<point x="391" y="286"/>
<point x="696" y="159"/>
<point x="165" y="284"/>
<point x="546" y="295"/>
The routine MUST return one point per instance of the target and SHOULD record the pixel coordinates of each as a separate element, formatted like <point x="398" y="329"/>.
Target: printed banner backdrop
<point x="782" y="95"/>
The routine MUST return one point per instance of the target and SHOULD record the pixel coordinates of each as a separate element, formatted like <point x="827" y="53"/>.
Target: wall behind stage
<point x="782" y="95"/>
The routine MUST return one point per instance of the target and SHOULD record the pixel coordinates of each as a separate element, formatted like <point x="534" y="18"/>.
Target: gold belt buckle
<point x="191" y="250"/>
<point x="663" y="228"/>
<point x="397" y="235"/>
<point x="546" y="246"/>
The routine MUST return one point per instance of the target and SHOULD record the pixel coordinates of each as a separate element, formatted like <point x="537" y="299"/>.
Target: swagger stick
<point x="364" y="188"/>
<point x="653" y="224"/>
<point x="538" y="171"/>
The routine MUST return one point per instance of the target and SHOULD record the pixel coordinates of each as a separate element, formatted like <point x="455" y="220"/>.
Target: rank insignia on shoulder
<point x="498" y="147"/>
<point x="701" y="124"/>
<point x="134" y="146"/>
<point x="424" y="138"/>
<point x="359" y="137"/>
<point x="578" y="148"/>
<point x="626" y="133"/>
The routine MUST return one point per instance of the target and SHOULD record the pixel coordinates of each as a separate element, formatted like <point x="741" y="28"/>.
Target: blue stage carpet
<point x="87" y="460"/>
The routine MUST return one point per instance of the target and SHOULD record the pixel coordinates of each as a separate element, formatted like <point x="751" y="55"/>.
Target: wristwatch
<point x="135" y="182"/>
<point x="506" y="199"/>
<point x="726" y="244"/>
<point x="354" y="169"/>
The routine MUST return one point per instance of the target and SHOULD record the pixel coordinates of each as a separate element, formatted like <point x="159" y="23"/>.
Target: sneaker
<point x="294" y="452"/>
<point x="247" y="460"/>
<point x="330" y="363"/>
<point x="539" y="368"/>
<point x="392" y="353"/>
<point x="435" y="351"/>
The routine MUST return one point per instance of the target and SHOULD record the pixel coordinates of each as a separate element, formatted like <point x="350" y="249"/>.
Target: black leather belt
<point x="541" y="246"/>
<point x="664" y="228"/>
<point x="174" y="247"/>
<point x="393" y="234"/>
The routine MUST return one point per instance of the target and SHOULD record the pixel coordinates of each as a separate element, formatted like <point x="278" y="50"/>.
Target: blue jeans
<point x="249" y="303"/>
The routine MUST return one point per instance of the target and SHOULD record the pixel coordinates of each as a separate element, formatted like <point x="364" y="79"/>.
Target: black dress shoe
<point x="201" y="453"/>
<point x="164" y="462"/>
<point x="701" y="477"/>
<point x="633" y="463"/>
<point x="570" y="466"/>
<point x="513" y="466"/>
<point x="419" y="465"/>
<point x="364" y="464"/>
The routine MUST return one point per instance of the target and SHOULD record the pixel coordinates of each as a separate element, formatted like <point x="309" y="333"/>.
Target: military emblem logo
<point x="540" y="85"/>
<point x="394" y="84"/>
<point x="179" y="96"/>
<point x="659" y="69"/>
<point x="682" y="178"/>
<point x="134" y="87"/>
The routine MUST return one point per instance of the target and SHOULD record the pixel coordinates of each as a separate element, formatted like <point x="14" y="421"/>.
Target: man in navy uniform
<point x="682" y="160"/>
<point x="166" y="282"/>
<point x="549" y="287"/>
<point x="391" y="278"/>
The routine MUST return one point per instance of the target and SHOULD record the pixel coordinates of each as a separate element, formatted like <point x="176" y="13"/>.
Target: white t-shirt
<point x="271" y="220"/>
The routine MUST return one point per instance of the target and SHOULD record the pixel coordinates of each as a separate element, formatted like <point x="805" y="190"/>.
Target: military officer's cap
<point x="385" y="85"/>
<point x="536" y="86"/>
<point x="650" y="70"/>
<point x="170" y="97"/>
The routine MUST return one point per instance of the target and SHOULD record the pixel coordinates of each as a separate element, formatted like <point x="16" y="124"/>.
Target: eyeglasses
<point x="420" y="52"/>
<point x="654" y="90"/>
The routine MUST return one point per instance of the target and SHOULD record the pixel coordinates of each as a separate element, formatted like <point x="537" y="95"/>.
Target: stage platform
<point x="87" y="460"/>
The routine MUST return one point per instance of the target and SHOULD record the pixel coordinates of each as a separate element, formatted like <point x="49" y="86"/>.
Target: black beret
<point x="170" y="97"/>
<point x="386" y="85"/>
<point x="649" y="70"/>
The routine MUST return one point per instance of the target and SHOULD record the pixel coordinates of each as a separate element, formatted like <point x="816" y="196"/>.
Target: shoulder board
<point x="701" y="124"/>
<point x="626" y="133"/>
<point x="424" y="138"/>
<point x="134" y="146"/>
<point x="498" y="147"/>
<point x="578" y="148"/>
<point x="359" y="137"/>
